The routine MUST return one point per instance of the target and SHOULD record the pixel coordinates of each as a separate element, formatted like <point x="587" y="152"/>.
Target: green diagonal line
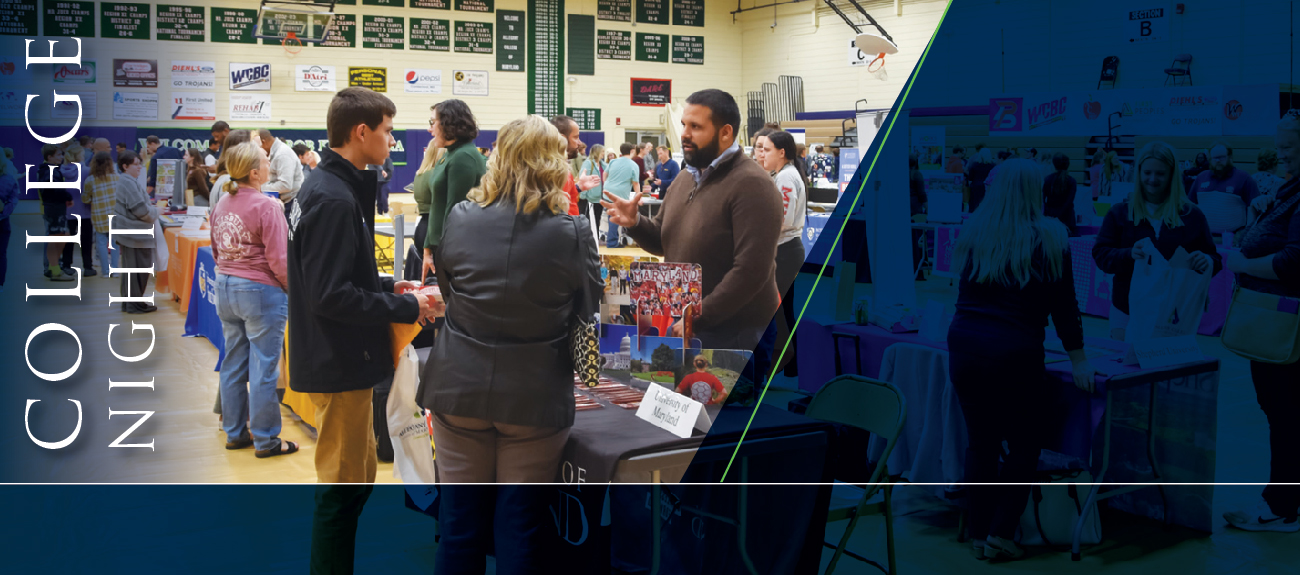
<point x="893" y="116"/>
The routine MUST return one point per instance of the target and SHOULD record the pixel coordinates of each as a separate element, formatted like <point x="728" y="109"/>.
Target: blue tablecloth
<point x="202" y="320"/>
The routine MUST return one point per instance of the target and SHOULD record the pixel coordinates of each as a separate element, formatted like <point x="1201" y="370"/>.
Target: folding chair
<point x="1109" y="71"/>
<point x="876" y="407"/>
<point x="1181" y="68"/>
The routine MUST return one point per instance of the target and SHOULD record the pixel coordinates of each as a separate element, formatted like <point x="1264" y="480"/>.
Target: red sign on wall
<point x="648" y="92"/>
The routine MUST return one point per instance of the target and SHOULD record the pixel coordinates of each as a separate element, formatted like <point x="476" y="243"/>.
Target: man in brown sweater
<point x="726" y="216"/>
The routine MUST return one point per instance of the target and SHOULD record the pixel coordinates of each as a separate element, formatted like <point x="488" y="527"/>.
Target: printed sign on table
<point x="469" y="83"/>
<point x="422" y="81"/>
<point x="194" y="75"/>
<point x="663" y="293"/>
<point x="135" y="106"/>
<point x="250" y="106"/>
<point x="135" y="73"/>
<point x="194" y="106"/>
<point x="70" y="74"/>
<point x="315" y="78"/>
<point x="246" y="76"/>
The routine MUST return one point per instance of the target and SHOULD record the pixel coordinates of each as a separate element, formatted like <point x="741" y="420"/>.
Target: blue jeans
<point x="611" y="236"/>
<point x="252" y="319"/>
<point x="101" y="248"/>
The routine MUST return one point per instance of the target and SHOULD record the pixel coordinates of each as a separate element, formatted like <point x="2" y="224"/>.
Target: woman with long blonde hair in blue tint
<point x="1015" y="266"/>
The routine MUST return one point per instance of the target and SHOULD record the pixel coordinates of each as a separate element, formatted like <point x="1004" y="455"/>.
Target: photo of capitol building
<point x="621" y="361"/>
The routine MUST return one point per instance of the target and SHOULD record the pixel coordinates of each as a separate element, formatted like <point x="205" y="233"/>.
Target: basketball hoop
<point x="877" y="67"/>
<point x="291" y="43"/>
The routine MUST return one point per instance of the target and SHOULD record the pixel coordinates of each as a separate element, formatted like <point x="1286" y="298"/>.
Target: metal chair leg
<point x="889" y="529"/>
<point x="1075" y="554"/>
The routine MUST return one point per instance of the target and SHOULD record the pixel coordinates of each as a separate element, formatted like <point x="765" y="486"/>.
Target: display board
<point x="614" y="10"/>
<point x="431" y="4"/>
<point x="342" y="32"/>
<point x="582" y="45"/>
<point x="688" y="50"/>
<point x="649" y="92"/>
<point x="431" y="34"/>
<point x="69" y="18"/>
<point x="588" y="119"/>
<point x="233" y="25"/>
<point x="613" y="45"/>
<point x="473" y="37"/>
<point x="475" y="5"/>
<point x="122" y="21"/>
<point x="383" y="32"/>
<point x="368" y="77"/>
<point x="546" y="58"/>
<point x="652" y="12"/>
<point x="688" y="13"/>
<point x="510" y="41"/>
<point x="651" y="47"/>
<point x="181" y="23"/>
<point x="18" y="18"/>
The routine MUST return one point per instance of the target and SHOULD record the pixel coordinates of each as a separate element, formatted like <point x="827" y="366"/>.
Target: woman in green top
<point x="453" y="175"/>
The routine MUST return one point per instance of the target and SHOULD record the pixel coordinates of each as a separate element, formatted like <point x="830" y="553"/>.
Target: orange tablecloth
<point x="182" y="249"/>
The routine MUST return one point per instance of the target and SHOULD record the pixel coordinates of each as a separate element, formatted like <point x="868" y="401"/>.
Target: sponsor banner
<point x="194" y="75"/>
<point x="69" y="74"/>
<point x="469" y="83"/>
<point x="315" y="79"/>
<point x="250" y="106"/>
<point x="135" y="73"/>
<point x="194" y="106"/>
<point x="374" y="78"/>
<point x="135" y="106"/>
<point x="68" y="110"/>
<point x="11" y="105"/>
<point x="1175" y="111"/>
<point x="422" y="81"/>
<point x="245" y="76"/>
<point x="14" y="72"/>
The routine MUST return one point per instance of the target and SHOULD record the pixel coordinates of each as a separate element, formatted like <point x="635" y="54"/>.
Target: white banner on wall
<point x="254" y="77"/>
<point x="135" y="106"/>
<point x="1180" y="111"/>
<point x="1148" y="24"/>
<point x="194" y="106"/>
<point x="194" y="75"/>
<point x="68" y="110"/>
<point x="469" y="83"/>
<point x="11" y="105"/>
<point x="250" y="106"/>
<point x="315" y="79"/>
<point x="70" y="74"/>
<point x="422" y="81"/>
<point x="14" y="72"/>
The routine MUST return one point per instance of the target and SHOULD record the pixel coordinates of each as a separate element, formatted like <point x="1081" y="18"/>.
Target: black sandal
<point x="283" y="448"/>
<point x="242" y="442"/>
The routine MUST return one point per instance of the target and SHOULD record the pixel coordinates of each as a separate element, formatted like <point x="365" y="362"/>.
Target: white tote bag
<point x="1166" y="299"/>
<point x="412" y="452"/>
<point x="1054" y="510"/>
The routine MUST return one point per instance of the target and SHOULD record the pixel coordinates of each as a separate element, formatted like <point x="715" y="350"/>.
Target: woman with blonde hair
<point x="250" y="240"/>
<point x="234" y="138"/>
<point x="593" y="165"/>
<point x="1156" y="220"/>
<point x="514" y="269"/>
<point x="1015" y="273"/>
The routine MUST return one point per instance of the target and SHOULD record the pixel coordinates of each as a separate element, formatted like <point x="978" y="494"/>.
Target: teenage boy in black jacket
<point x="339" y="346"/>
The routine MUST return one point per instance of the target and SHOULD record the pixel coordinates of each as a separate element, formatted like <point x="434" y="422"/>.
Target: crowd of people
<point x="1016" y="272"/>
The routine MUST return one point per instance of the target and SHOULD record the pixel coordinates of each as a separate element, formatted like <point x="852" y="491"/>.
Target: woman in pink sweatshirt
<point x="250" y="243"/>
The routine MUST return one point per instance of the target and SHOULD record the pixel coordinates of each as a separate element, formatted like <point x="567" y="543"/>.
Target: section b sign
<point x="1147" y="25"/>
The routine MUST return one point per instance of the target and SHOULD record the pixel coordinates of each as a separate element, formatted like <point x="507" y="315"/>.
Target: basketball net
<point x="291" y="43"/>
<point x="877" y="67"/>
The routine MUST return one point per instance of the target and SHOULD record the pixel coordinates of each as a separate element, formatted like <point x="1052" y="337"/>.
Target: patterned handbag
<point x="584" y="329"/>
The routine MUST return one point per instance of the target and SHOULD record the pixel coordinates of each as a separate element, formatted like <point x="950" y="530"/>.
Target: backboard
<point x="307" y="21"/>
